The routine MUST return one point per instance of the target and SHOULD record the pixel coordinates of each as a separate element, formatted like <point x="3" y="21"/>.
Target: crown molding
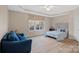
<point x="41" y="14"/>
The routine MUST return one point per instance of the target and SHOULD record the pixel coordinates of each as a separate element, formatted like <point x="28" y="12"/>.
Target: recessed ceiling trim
<point x="21" y="9"/>
<point x="34" y="12"/>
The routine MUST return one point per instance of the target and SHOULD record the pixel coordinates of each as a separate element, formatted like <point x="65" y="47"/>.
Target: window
<point x="36" y="25"/>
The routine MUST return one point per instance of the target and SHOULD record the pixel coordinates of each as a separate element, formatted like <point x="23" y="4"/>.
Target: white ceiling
<point x="40" y="10"/>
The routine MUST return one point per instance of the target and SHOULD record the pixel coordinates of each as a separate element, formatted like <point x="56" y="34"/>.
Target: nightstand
<point x="51" y="29"/>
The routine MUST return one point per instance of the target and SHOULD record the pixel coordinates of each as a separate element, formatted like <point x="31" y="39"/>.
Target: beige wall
<point x="19" y="21"/>
<point x="60" y="19"/>
<point x="75" y="14"/>
<point x="3" y="20"/>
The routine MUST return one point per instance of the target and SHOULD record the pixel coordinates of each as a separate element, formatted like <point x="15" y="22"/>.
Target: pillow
<point x="12" y="37"/>
<point x="62" y="30"/>
<point x="21" y="34"/>
<point x="21" y="37"/>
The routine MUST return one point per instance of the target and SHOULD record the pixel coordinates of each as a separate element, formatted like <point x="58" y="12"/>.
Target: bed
<point x="59" y="34"/>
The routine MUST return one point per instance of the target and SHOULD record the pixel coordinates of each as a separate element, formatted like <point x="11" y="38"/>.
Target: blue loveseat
<point x="0" y="47"/>
<point x="15" y="43"/>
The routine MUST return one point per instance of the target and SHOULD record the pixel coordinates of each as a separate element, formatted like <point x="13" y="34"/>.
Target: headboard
<point x="62" y="26"/>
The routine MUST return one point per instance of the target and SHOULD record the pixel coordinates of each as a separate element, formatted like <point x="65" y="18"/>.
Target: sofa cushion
<point x="12" y="37"/>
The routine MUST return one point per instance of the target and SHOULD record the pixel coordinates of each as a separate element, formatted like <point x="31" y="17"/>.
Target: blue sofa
<point x="15" y="43"/>
<point x="0" y="47"/>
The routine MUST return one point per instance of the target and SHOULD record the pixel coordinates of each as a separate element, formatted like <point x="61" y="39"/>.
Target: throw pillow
<point x="21" y="37"/>
<point x="12" y="36"/>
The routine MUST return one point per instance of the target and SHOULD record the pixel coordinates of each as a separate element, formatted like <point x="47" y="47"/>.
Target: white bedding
<point x="57" y="34"/>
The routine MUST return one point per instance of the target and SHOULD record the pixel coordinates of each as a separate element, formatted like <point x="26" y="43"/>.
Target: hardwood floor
<point x="42" y="44"/>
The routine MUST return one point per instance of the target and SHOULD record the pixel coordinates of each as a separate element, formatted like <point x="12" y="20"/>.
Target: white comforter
<point x="57" y="34"/>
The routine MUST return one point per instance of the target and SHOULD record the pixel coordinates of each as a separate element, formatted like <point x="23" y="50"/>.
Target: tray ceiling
<point x="41" y="10"/>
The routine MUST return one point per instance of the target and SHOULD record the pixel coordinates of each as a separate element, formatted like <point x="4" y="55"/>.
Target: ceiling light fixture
<point x="48" y="7"/>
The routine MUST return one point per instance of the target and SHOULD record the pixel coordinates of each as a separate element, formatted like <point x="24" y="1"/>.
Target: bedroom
<point x="35" y="21"/>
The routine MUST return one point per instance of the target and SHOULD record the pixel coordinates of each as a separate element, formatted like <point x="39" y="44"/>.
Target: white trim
<point x="41" y="14"/>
